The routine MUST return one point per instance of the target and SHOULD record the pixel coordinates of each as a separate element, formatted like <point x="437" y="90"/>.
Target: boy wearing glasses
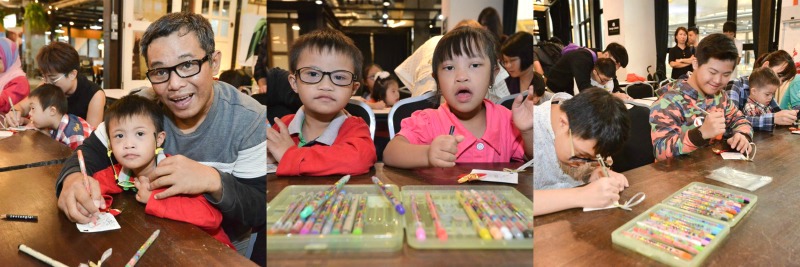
<point x="216" y="134"/>
<point x="321" y="138"/>
<point x="569" y="133"/>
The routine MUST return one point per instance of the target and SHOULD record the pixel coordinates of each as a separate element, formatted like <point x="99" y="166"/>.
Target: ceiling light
<point x="385" y="3"/>
<point x="319" y="2"/>
<point x="385" y="16"/>
<point x="71" y="23"/>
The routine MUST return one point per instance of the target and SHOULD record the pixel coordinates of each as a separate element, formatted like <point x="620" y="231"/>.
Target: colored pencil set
<point x="493" y="216"/>
<point x="709" y="202"/>
<point x="332" y="211"/>
<point x="679" y="234"/>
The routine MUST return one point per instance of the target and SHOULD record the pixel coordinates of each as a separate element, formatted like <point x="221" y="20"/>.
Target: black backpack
<point x="548" y="54"/>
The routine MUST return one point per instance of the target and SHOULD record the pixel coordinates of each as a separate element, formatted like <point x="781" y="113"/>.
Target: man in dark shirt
<point x="577" y="65"/>
<point x="280" y="99"/>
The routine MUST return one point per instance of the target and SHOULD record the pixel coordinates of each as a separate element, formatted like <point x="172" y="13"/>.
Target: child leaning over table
<point x="322" y="139"/>
<point x="135" y="128"/>
<point x="673" y="117"/>
<point x="569" y="133"/>
<point x="48" y="111"/>
<point x="463" y="67"/>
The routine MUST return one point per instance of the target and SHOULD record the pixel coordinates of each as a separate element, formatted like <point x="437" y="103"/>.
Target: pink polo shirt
<point x="501" y="142"/>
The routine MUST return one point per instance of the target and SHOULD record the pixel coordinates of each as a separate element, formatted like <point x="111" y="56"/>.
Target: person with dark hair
<point x="368" y="81"/>
<point x="578" y="63"/>
<point x="680" y="55"/>
<point x="517" y="58"/>
<point x="321" y="138"/>
<point x="482" y="131"/>
<point x="60" y="66"/>
<point x="48" y="111"/>
<point x="13" y="83"/>
<point x="280" y="99"/>
<point x="540" y="93"/>
<point x="570" y="133"/>
<point x="692" y="38"/>
<point x="490" y="19"/>
<point x="781" y="63"/>
<point x="238" y="79"/>
<point x="386" y="90"/>
<point x="763" y="83"/>
<point x="675" y="117"/>
<point x="135" y="125"/>
<point x="217" y="134"/>
<point x="729" y="29"/>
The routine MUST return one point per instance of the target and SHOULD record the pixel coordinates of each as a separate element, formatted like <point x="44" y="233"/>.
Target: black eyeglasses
<point x="184" y="70"/>
<point x="575" y="159"/>
<point x="313" y="76"/>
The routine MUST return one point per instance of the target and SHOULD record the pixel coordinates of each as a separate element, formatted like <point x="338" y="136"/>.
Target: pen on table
<point x="13" y="217"/>
<point x="82" y="163"/>
<point x="143" y="249"/>
<point x="398" y="206"/>
<point x="40" y="256"/>
<point x="452" y="129"/>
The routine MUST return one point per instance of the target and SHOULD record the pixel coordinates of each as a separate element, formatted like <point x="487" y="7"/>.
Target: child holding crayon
<point x="322" y="139"/>
<point x="48" y="111"/>
<point x="135" y="129"/>
<point x="463" y="66"/>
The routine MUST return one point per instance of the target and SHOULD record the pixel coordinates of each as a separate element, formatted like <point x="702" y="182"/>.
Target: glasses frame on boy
<point x="573" y="158"/>
<point x="298" y="73"/>
<point x="189" y="70"/>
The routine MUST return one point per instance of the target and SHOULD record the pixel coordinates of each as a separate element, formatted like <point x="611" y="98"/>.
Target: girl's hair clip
<point x="382" y="75"/>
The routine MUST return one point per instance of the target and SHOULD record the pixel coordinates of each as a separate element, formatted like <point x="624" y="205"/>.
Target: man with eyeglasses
<point x="218" y="135"/>
<point x="569" y="135"/>
<point x="574" y="68"/>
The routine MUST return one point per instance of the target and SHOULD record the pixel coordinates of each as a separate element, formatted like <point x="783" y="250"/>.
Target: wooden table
<point x="30" y="149"/>
<point x="768" y="236"/>
<point x="32" y="191"/>
<point x="407" y="256"/>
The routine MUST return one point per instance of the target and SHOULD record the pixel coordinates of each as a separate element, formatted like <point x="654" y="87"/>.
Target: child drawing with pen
<point x="135" y="133"/>
<point x="464" y="64"/>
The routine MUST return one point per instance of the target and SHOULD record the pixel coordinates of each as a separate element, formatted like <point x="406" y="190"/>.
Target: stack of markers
<point x="326" y="212"/>
<point x="679" y="234"/>
<point x="709" y="202"/>
<point x="493" y="216"/>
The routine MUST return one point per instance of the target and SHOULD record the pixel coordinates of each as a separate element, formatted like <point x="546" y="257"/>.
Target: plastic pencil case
<point x="619" y="238"/>
<point x="383" y="226"/>
<point x="460" y="231"/>
<point x="752" y="199"/>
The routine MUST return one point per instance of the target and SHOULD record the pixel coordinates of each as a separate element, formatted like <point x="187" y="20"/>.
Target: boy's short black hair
<point x="619" y="53"/>
<point x="520" y="45"/>
<point x="596" y="114"/>
<point x="538" y="84"/>
<point x="134" y="105"/>
<point x="236" y="78"/>
<point x="460" y="42"/>
<point x="717" y="46"/>
<point x="606" y="67"/>
<point x="50" y="96"/>
<point x="694" y="29"/>
<point x="729" y="26"/>
<point x="380" y="87"/>
<point x="324" y="40"/>
<point x="763" y="76"/>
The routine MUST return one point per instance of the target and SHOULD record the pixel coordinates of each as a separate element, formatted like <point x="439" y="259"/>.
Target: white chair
<point x="404" y="108"/>
<point x="361" y="109"/>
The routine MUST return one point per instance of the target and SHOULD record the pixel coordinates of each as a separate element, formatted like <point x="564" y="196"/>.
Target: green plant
<point x="36" y="17"/>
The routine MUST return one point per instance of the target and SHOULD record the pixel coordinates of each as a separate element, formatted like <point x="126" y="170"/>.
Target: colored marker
<point x="12" y="217"/>
<point x="502" y="216"/>
<point x="415" y="212"/>
<point x="322" y="217"/>
<point x="485" y="211"/>
<point x="359" y="224"/>
<point x="334" y="213"/>
<point x="143" y="249"/>
<point x="348" y="223"/>
<point x="295" y="216"/>
<point x="398" y="206"/>
<point x="483" y="233"/>
<point x="276" y="228"/>
<point x="337" y="225"/>
<point x="324" y="197"/>
<point x="440" y="232"/>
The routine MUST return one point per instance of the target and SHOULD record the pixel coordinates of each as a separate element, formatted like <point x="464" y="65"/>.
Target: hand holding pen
<point x="443" y="149"/>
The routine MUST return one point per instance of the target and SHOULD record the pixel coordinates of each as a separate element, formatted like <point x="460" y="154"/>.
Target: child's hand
<point x="13" y="119"/>
<point x="740" y="143"/>
<point x="443" y="149"/>
<point x="142" y="193"/>
<point x="618" y="177"/>
<point x="713" y="125"/>
<point x="785" y="117"/>
<point x="278" y="142"/>
<point x="600" y="193"/>
<point x="522" y="111"/>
